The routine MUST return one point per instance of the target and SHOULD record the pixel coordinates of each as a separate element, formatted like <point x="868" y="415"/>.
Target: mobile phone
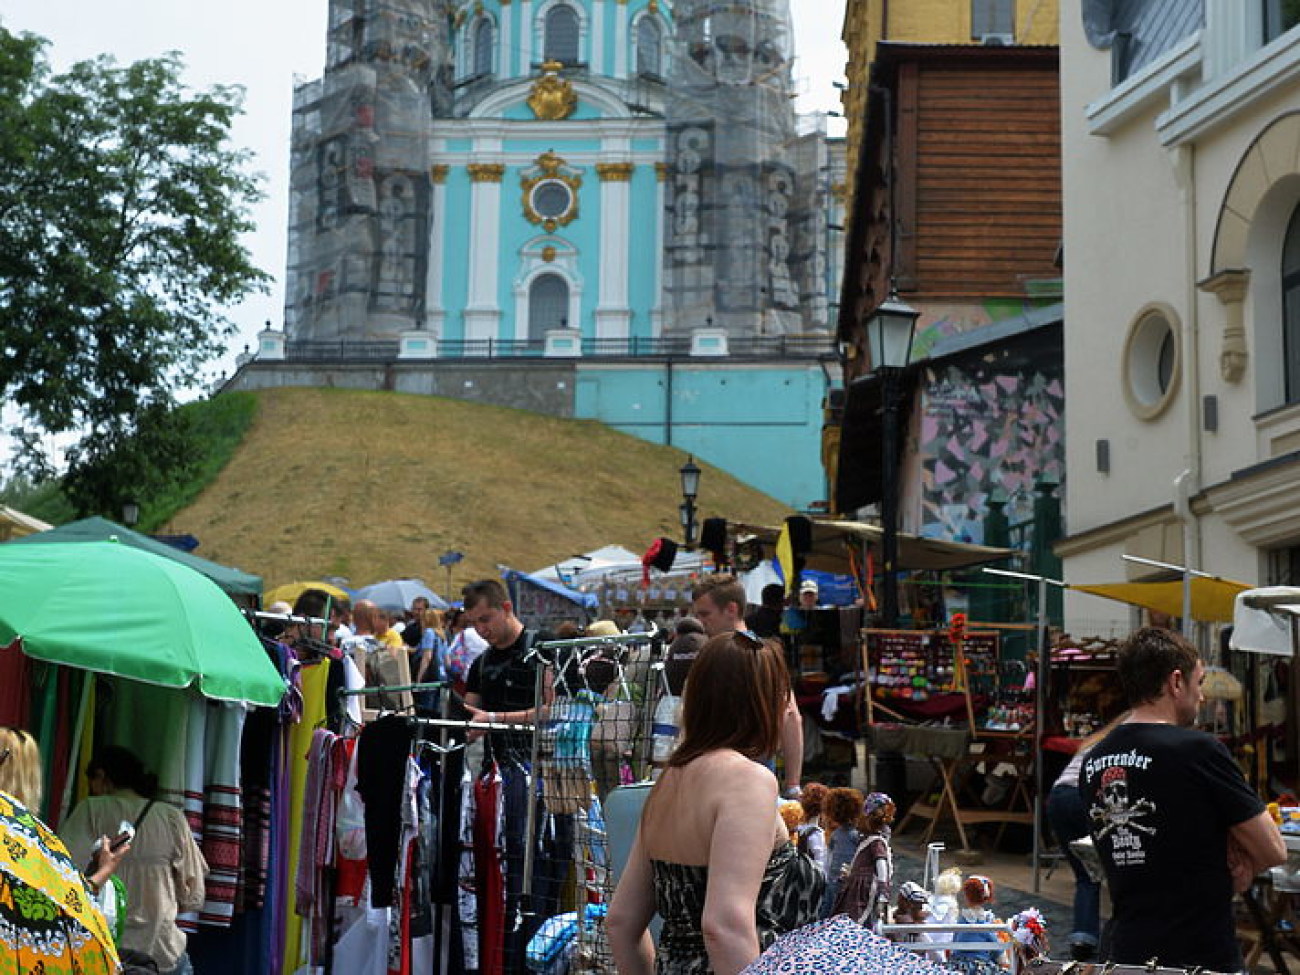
<point x="125" y="834"/>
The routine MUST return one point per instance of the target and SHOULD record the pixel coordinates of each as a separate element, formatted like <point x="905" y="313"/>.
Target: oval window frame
<point x="1144" y="346"/>
<point x="571" y="197"/>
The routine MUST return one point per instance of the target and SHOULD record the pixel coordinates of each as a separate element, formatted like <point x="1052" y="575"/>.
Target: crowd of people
<point x="734" y="849"/>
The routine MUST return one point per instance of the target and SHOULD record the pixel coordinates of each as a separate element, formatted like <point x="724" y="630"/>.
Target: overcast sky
<point x="263" y="45"/>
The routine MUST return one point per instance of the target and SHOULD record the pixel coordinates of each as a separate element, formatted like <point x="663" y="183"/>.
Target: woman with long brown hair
<point x="712" y="856"/>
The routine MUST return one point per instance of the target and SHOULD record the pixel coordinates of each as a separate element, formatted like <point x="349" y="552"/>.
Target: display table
<point x="954" y="754"/>
<point x="1272" y="902"/>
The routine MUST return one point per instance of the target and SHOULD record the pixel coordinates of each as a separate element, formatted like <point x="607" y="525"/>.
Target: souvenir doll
<point x="977" y="894"/>
<point x="864" y="895"/>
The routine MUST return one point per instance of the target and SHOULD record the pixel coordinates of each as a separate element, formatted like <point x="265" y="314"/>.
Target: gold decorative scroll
<point x="552" y="97"/>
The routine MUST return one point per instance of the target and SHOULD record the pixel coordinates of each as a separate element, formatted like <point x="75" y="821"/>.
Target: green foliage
<point x="170" y="481"/>
<point x="217" y="427"/>
<point x="121" y="213"/>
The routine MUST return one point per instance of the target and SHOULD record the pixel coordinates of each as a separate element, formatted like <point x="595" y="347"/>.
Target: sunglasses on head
<point x="750" y="637"/>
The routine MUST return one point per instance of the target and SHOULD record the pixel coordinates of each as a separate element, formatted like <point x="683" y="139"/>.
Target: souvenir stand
<point x="955" y="677"/>
<point x="465" y="889"/>
<point x="1266" y="628"/>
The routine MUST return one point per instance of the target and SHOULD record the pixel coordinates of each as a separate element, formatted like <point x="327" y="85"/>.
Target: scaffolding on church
<point x="748" y="194"/>
<point x="359" y="172"/>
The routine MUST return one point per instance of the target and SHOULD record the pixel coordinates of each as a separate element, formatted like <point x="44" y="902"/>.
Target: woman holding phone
<point x="165" y="873"/>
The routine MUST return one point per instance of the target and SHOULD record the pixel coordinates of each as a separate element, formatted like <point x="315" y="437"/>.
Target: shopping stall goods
<point x="957" y="676"/>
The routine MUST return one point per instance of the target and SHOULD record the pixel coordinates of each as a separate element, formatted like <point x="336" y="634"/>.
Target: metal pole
<point x="889" y="497"/>
<point x="1040" y="704"/>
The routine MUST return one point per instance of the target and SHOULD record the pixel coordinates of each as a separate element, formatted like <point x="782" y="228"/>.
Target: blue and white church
<point x="597" y="208"/>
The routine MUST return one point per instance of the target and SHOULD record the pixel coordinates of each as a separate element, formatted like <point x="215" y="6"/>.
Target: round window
<point x="552" y="199"/>
<point x="1151" y="363"/>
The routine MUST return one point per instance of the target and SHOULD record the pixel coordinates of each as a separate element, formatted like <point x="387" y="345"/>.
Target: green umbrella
<point x="111" y="608"/>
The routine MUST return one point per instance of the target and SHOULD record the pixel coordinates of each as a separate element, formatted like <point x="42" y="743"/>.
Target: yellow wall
<point x="920" y="21"/>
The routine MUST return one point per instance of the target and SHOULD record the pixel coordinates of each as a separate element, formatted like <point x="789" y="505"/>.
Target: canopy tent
<point x="613" y="562"/>
<point x="16" y="524"/>
<point x="836" y="543"/>
<point x="233" y="581"/>
<point x="113" y="609"/>
<point x="1263" y="621"/>
<point x="1212" y="597"/>
<point x="514" y="578"/>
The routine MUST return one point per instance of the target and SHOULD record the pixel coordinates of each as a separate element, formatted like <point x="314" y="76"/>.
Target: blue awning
<point x="586" y="600"/>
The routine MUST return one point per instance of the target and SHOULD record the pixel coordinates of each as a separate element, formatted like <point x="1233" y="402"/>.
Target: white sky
<point x="262" y="45"/>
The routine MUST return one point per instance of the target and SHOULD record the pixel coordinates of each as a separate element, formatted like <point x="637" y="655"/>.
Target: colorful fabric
<point x="223" y="812"/>
<point x="47" y="917"/>
<point x="314" y="678"/>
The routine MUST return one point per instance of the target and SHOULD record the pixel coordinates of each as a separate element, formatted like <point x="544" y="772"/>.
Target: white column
<point x="1233" y="30"/>
<point x="525" y="37"/>
<point x="505" y="46"/>
<point x="435" y="316"/>
<point x="598" y="38"/>
<point x="482" y="314"/>
<point x="620" y="41"/>
<point x="613" y="316"/>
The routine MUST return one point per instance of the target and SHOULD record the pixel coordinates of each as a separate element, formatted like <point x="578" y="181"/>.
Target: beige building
<point x="867" y="22"/>
<point x="1181" y="167"/>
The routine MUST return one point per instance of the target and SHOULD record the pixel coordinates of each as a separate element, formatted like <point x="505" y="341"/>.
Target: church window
<point x="561" y="42"/>
<point x="1291" y="307"/>
<point x="649" y="45"/>
<point x="483" y="44"/>
<point x="552" y="199"/>
<point x="548" y="305"/>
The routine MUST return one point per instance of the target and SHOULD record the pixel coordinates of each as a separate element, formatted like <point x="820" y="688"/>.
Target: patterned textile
<point x="788" y="897"/>
<point x="839" y="946"/>
<point x="223" y="812"/>
<point x="317" y="827"/>
<point x="48" y="921"/>
<point x="261" y="733"/>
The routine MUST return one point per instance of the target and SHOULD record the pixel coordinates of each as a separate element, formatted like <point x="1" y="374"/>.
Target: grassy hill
<point x="375" y="486"/>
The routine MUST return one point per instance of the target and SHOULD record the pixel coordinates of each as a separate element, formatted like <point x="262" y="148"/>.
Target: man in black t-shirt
<point x="1177" y="826"/>
<point x="501" y="686"/>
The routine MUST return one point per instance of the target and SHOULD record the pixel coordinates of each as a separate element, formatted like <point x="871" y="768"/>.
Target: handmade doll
<point x="812" y="838"/>
<point x="864" y="895"/>
<point x="792" y="815"/>
<point x="977" y="892"/>
<point x="1029" y="936"/>
<point x="944" y="905"/>
<point x="912" y="906"/>
<point x="840" y="813"/>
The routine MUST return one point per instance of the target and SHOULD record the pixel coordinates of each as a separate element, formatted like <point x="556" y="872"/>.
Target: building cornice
<point x="1144" y="89"/>
<point x="1112" y="533"/>
<point x="1259" y="503"/>
<point x="1220" y="100"/>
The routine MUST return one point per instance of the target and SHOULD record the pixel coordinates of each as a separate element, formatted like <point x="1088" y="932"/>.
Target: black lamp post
<point x="690" y="475"/>
<point x="889" y="334"/>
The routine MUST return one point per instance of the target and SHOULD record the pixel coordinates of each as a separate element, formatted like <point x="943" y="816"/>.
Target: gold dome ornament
<point x="552" y="98"/>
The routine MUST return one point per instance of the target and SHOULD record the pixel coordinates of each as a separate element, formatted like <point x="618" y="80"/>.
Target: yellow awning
<point x="1212" y="598"/>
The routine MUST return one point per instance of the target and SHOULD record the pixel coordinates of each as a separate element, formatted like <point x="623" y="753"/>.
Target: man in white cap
<point x="809" y="592"/>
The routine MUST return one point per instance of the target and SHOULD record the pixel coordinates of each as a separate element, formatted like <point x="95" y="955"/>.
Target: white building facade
<point x="1181" y="169"/>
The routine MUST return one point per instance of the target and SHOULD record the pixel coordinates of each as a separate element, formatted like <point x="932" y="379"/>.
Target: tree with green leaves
<point x="122" y="206"/>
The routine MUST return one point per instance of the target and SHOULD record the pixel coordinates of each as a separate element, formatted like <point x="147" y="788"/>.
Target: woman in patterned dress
<point x="712" y="856"/>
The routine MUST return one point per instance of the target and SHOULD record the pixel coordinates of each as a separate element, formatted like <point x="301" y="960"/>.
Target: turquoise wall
<point x="760" y="424"/>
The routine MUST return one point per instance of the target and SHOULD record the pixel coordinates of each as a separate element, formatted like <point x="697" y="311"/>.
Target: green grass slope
<point x="374" y="486"/>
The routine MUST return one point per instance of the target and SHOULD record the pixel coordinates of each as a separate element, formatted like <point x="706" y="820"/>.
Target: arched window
<point x="649" y="43"/>
<point x="561" y="42"/>
<point x="1291" y="307"/>
<point x="483" y="44"/>
<point x="548" y="305"/>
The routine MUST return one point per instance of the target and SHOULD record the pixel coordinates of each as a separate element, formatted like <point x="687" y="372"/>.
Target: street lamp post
<point x="130" y="513"/>
<point x="690" y="474"/>
<point x="889" y="333"/>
